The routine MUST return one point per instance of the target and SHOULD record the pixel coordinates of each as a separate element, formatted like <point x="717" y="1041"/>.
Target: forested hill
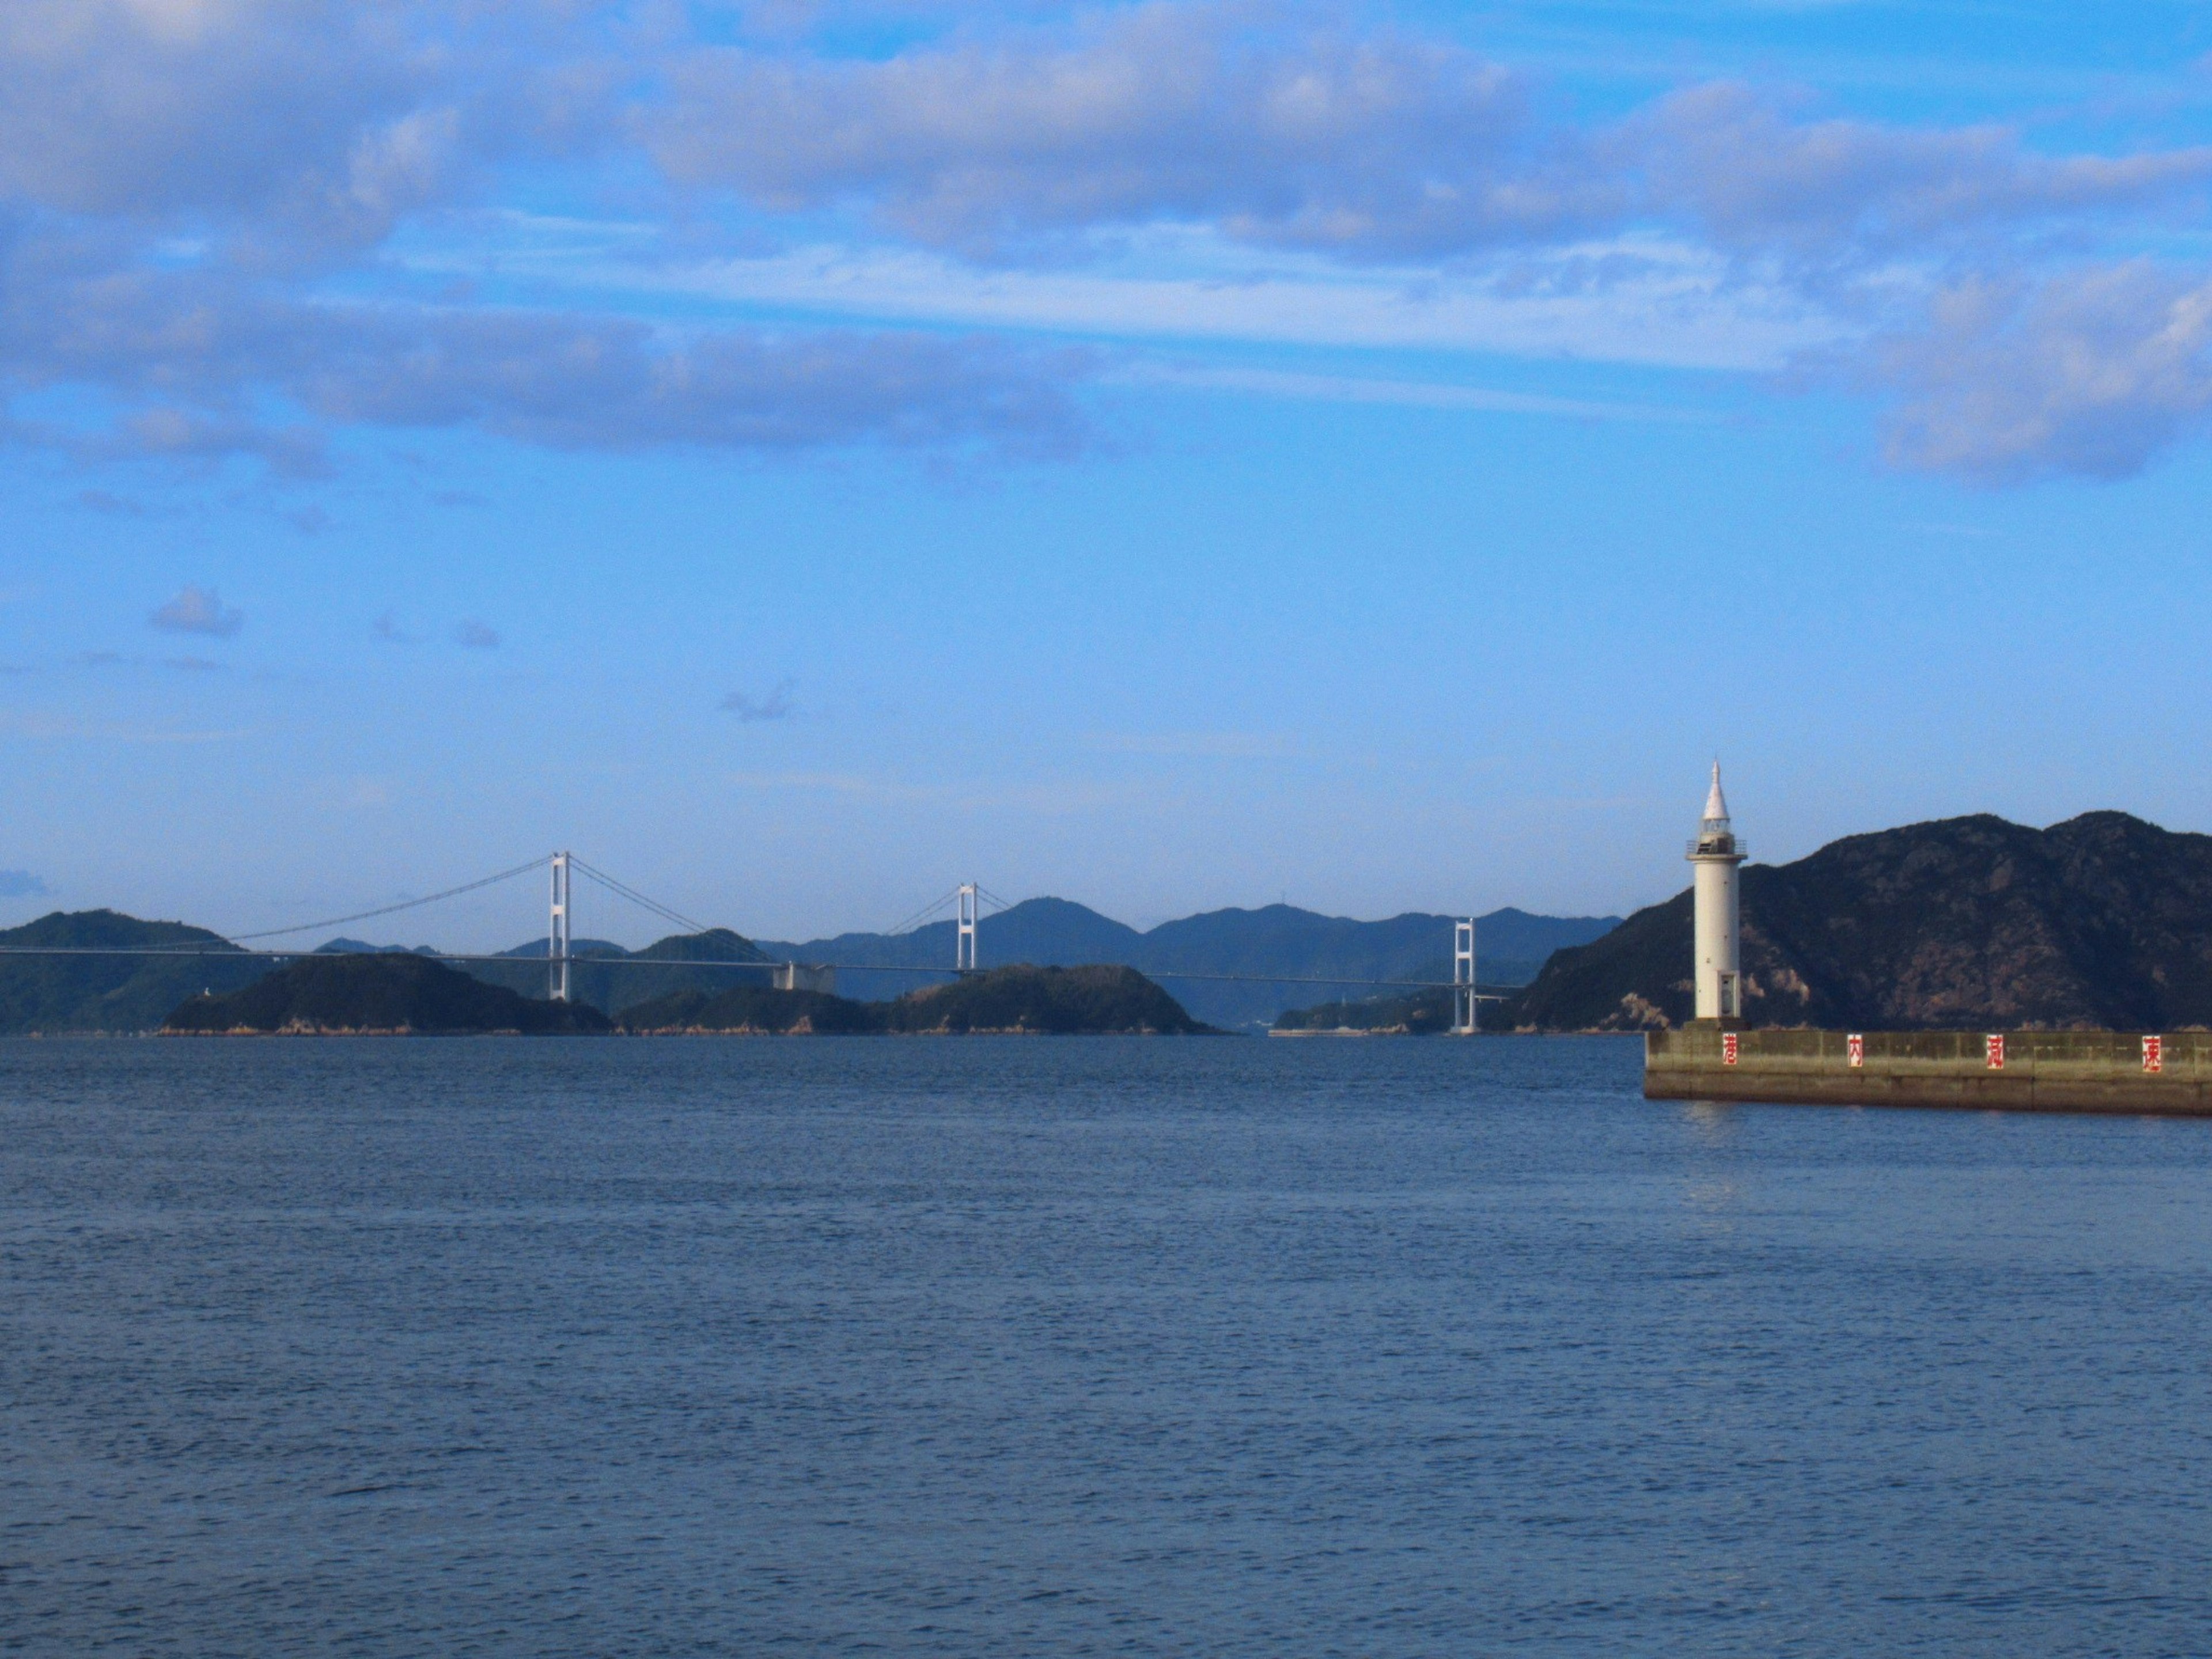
<point x="2101" y="920"/>
<point x="396" y="993"/>
<point x="1095" y="999"/>
<point x="111" y="994"/>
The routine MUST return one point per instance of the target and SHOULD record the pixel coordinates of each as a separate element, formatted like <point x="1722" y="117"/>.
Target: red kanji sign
<point x="1728" y="1048"/>
<point x="2154" y="1054"/>
<point x="1995" y="1045"/>
<point x="1856" y="1045"/>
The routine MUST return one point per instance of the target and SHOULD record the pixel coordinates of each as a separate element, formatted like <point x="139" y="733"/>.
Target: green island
<point x="397" y="994"/>
<point x="383" y="996"/>
<point x="1423" y="1013"/>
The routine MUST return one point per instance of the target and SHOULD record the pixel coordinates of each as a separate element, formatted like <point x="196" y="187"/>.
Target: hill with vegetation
<point x="2103" y="921"/>
<point x="1417" y="1014"/>
<point x="611" y="978"/>
<point x="1097" y="1001"/>
<point x="394" y="994"/>
<point x="1412" y="1013"/>
<point x="750" y="1010"/>
<point x="54" y="994"/>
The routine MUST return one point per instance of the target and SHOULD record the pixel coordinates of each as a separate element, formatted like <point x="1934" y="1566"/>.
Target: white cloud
<point x="298" y="118"/>
<point x="198" y="611"/>
<point x="1294" y="137"/>
<point x="1843" y="194"/>
<point x="2090" y="373"/>
<point x="1637" y="301"/>
<point x="194" y="360"/>
<point x="1411" y="394"/>
<point x="775" y="705"/>
<point x="197" y="197"/>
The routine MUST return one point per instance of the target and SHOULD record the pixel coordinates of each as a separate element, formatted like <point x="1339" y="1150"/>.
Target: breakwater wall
<point x="2132" y="1073"/>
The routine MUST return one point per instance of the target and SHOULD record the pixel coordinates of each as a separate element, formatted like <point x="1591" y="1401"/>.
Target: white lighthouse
<point x="1714" y="855"/>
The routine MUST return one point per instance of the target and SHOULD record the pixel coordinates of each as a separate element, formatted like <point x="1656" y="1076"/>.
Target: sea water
<point x="1045" y="1346"/>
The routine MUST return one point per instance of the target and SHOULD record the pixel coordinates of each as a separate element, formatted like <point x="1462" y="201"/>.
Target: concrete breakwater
<point x="2133" y="1073"/>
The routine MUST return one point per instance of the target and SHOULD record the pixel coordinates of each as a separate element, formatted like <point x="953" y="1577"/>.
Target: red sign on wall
<point x="2154" y="1054"/>
<point x="1856" y="1045"/>
<point x="1995" y="1045"/>
<point x="1728" y="1048"/>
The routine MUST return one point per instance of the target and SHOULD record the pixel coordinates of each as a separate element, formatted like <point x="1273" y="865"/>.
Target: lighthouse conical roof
<point x="1716" y="803"/>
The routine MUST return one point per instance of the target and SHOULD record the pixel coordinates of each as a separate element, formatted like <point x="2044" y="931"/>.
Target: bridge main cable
<point x="340" y="921"/>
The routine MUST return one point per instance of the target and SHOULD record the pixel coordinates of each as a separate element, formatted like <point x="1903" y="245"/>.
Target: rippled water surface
<point x="1057" y="1346"/>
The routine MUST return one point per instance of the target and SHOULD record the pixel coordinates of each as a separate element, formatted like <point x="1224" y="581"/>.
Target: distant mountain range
<point x="59" y="994"/>
<point x="2103" y="921"/>
<point x="1277" y="938"/>
<point x="658" y="971"/>
<point x="2100" y="921"/>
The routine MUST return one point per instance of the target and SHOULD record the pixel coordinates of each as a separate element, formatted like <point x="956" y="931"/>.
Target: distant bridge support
<point x="556" y="941"/>
<point x="1465" y="1002"/>
<point x="800" y="976"/>
<point x="963" y="941"/>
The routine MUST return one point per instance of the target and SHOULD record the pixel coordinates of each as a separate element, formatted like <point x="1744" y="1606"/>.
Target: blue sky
<point x="1170" y="457"/>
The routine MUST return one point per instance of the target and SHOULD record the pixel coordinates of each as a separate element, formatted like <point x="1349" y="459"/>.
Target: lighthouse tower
<point x="1714" y="856"/>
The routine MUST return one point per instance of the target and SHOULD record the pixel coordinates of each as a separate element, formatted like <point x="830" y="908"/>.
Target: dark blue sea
<point x="1046" y="1347"/>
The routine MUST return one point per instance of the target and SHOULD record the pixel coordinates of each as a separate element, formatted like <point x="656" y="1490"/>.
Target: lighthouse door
<point x="1731" y="996"/>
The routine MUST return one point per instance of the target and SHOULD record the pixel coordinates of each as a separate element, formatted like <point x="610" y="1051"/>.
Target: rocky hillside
<point x="2102" y="920"/>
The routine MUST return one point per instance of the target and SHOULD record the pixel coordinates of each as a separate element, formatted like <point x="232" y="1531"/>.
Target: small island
<point x="1026" y="1000"/>
<point x="401" y="995"/>
<point x="750" y="1010"/>
<point x="1099" y="1000"/>
<point x="382" y="995"/>
<point x="1425" y="1013"/>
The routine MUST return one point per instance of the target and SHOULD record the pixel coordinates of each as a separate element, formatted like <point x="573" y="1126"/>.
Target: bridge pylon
<point x="963" y="939"/>
<point x="556" y="939"/>
<point x="1465" y="1000"/>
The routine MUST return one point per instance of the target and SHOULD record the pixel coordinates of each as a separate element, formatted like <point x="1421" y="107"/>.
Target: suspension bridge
<point x="969" y="904"/>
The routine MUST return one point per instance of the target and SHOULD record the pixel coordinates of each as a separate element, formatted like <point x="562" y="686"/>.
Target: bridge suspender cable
<point x="624" y="890"/>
